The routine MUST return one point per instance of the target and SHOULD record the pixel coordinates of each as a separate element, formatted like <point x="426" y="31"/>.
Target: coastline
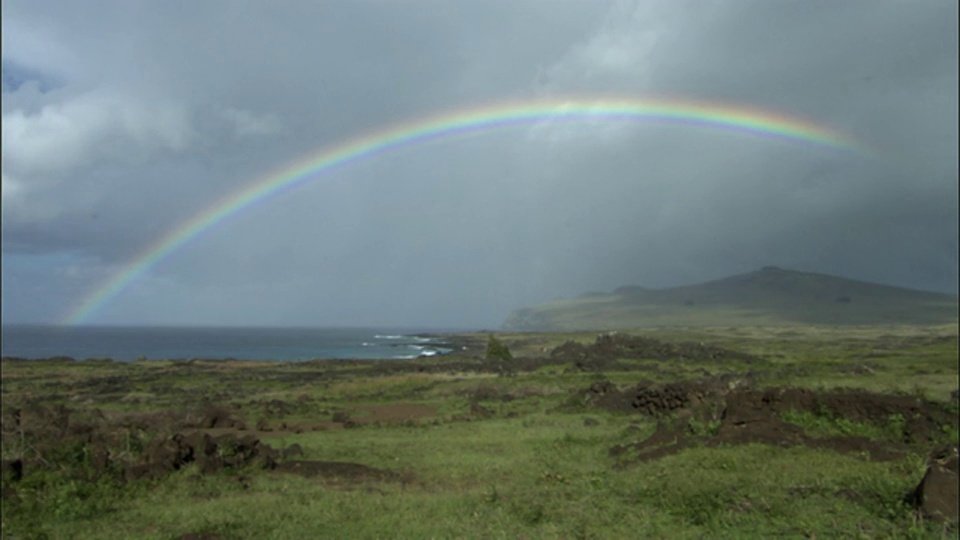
<point x="274" y="344"/>
<point x="426" y="345"/>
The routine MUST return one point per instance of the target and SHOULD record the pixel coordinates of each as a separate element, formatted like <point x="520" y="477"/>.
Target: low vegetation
<point x="668" y="433"/>
<point x="496" y="350"/>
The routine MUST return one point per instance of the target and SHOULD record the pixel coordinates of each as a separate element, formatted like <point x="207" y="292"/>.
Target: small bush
<point x="496" y="350"/>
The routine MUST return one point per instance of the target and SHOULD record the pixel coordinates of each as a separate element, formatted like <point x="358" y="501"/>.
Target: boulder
<point x="936" y="497"/>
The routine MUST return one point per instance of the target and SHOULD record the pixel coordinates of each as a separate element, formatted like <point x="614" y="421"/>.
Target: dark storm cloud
<point x="121" y="120"/>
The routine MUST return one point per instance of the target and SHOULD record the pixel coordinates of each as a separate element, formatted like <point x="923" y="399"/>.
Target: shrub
<point x="496" y="350"/>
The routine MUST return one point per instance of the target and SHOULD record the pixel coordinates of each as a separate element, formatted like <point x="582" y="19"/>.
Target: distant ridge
<point x="769" y="296"/>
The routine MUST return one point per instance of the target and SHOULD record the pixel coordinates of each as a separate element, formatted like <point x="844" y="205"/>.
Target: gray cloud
<point x="121" y="120"/>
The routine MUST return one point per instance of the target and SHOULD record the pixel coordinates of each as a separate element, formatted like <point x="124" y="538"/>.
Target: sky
<point x="123" y="120"/>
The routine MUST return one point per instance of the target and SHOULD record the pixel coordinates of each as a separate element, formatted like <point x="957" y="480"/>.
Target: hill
<point x="770" y="296"/>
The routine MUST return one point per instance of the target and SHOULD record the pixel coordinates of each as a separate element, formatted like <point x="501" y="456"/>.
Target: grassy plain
<point x="455" y="448"/>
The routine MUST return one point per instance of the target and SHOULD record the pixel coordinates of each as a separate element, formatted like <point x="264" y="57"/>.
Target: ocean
<point x="265" y="344"/>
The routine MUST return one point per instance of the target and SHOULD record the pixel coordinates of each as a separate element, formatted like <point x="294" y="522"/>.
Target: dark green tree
<point x="496" y="350"/>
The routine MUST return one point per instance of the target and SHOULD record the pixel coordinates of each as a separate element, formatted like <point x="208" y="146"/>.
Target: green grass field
<point x="473" y="454"/>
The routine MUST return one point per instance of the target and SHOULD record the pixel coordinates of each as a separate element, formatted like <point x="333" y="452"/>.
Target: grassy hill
<point x="770" y="296"/>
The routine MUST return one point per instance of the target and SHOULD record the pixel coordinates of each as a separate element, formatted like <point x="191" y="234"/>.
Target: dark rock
<point x="99" y="459"/>
<point x="479" y="411"/>
<point x="201" y="443"/>
<point x="220" y="418"/>
<point x="143" y="470"/>
<point x="936" y="497"/>
<point x="293" y="450"/>
<point x="12" y="470"/>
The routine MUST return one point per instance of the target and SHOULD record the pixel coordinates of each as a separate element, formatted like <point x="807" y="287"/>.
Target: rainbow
<point x="492" y="117"/>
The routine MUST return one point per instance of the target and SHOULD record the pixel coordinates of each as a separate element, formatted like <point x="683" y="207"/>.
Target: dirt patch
<point x="712" y="413"/>
<point x="671" y="439"/>
<point x="493" y="392"/>
<point x="217" y="418"/>
<point x="339" y="471"/>
<point x="658" y="399"/>
<point x="922" y="420"/>
<point x="276" y="408"/>
<point x="608" y="348"/>
<point x="393" y="413"/>
<point x="211" y="454"/>
<point x="132" y="447"/>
